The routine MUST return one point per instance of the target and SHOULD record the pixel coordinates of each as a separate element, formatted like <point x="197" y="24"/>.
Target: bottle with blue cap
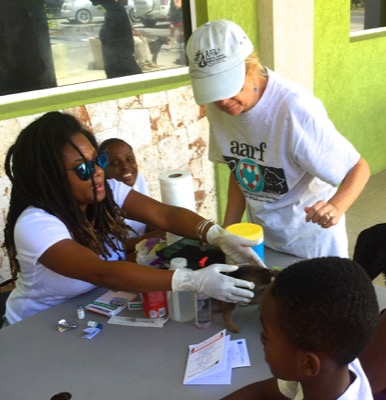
<point x="250" y="231"/>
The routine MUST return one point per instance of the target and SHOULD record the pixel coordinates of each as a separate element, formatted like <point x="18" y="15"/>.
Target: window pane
<point x="50" y="43"/>
<point x="367" y="14"/>
<point x="357" y="15"/>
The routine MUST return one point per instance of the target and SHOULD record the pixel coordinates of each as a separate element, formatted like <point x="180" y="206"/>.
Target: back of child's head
<point x="326" y="305"/>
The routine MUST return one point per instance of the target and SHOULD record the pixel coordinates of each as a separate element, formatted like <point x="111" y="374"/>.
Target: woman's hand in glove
<point x="236" y="247"/>
<point x="211" y="282"/>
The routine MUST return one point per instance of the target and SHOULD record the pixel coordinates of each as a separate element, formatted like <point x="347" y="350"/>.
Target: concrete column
<point x="287" y="38"/>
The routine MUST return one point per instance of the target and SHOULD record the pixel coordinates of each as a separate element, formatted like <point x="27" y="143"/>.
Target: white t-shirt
<point x="141" y="187"/>
<point x="359" y="390"/>
<point x="37" y="287"/>
<point x="285" y="154"/>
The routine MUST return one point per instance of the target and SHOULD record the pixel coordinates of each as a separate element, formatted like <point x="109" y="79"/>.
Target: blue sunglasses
<point x="87" y="169"/>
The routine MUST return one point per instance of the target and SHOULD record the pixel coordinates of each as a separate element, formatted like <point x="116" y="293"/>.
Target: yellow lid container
<point x="251" y="232"/>
<point x="247" y="230"/>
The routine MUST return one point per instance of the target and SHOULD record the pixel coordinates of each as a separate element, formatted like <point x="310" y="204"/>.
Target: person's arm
<point x="186" y="223"/>
<point x="262" y="390"/>
<point x="161" y="216"/>
<point x="373" y="358"/>
<point x="70" y="259"/>
<point x="235" y="203"/>
<point x="328" y="214"/>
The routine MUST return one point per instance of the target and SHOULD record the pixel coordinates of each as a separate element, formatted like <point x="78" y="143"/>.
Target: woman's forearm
<point x="235" y="204"/>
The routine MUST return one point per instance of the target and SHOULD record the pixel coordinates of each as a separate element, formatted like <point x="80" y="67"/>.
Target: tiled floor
<point x="368" y="210"/>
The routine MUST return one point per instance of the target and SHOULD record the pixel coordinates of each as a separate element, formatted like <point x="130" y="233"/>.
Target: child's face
<point x="281" y="356"/>
<point x="122" y="164"/>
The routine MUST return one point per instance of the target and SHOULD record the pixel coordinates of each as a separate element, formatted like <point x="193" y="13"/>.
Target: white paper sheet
<point x="211" y="361"/>
<point x="239" y="353"/>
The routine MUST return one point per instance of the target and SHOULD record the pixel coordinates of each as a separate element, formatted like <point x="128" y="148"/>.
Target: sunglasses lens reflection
<point x="103" y="160"/>
<point x="87" y="169"/>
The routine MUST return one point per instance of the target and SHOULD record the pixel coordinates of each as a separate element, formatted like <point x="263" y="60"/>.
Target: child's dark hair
<point x="370" y="250"/>
<point x="326" y="305"/>
<point x="105" y="144"/>
<point x="34" y="164"/>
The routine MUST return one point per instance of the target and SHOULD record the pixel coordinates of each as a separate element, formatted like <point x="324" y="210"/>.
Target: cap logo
<point x="209" y="57"/>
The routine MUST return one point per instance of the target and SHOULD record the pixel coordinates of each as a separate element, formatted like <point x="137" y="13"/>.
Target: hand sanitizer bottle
<point x="180" y="304"/>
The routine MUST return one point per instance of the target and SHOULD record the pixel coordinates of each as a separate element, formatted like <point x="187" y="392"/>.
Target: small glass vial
<point x="81" y="312"/>
<point x="203" y="305"/>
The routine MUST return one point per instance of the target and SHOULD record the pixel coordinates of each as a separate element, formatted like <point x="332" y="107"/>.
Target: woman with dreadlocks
<point x="65" y="230"/>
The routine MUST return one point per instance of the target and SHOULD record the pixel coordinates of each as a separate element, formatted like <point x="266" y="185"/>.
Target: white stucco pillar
<point x="287" y="38"/>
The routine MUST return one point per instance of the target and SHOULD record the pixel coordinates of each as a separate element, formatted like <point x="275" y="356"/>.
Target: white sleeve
<point x="141" y="185"/>
<point x="120" y="191"/>
<point x="35" y="232"/>
<point x="319" y="148"/>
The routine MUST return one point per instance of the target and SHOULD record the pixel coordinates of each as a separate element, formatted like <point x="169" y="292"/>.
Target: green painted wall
<point x="349" y="77"/>
<point x="242" y="12"/>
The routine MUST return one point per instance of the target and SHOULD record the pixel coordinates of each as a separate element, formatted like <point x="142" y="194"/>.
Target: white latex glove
<point x="236" y="247"/>
<point x="211" y="282"/>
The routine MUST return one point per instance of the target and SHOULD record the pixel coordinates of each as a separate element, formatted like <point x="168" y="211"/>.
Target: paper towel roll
<point x="177" y="190"/>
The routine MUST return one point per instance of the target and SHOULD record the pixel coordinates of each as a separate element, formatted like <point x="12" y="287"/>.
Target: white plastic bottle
<point x="180" y="304"/>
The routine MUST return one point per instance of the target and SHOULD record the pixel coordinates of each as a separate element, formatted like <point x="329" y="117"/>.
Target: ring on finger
<point x="331" y="215"/>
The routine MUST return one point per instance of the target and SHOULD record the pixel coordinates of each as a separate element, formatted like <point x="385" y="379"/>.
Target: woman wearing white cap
<point x="286" y="157"/>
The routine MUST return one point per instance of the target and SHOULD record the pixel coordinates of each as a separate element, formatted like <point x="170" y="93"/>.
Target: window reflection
<point x="48" y="43"/>
<point x="357" y="15"/>
<point x="80" y="34"/>
<point x="367" y="14"/>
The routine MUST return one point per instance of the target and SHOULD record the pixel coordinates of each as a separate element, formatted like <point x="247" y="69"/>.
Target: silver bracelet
<point x="200" y="232"/>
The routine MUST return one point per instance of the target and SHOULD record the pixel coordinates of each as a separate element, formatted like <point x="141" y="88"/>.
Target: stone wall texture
<point x="166" y="129"/>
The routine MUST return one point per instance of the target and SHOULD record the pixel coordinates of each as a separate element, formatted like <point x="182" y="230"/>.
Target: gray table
<point x="36" y="361"/>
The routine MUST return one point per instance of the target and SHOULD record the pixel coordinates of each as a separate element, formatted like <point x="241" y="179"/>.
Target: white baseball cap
<point x="217" y="51"/>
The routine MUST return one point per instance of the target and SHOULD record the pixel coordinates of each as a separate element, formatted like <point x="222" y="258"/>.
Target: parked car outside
<point x="152" y="11"/>
<point x="53" y="8"/>
<point x="83" y="12"/>
<point x="131" y="11"/>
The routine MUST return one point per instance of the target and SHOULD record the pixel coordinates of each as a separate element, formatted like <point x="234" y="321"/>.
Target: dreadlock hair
<point x="34" y="164"/>
<point x="326" y="305"/>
